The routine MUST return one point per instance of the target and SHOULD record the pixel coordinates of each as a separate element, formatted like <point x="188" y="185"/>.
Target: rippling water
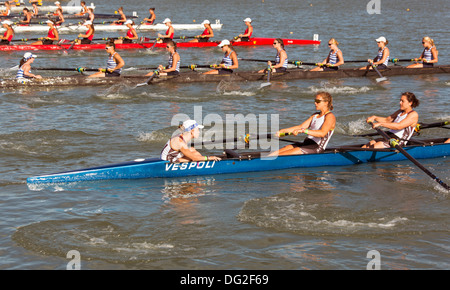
<point x="315" y="218"/>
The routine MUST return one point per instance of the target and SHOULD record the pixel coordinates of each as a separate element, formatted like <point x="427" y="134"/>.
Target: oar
<point x="394" y="143"/>
<point x="78" y="69"/>
<point x="147" y="82"/>
<point x="269" y="70"/>
<point x="70" y="47"/>
<point x="381" y="78"/>
<point x="432" y="125"/>
<point x="255" y="60"/>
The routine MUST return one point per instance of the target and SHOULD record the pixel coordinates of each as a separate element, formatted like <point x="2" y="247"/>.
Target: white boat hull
<point x="67" y="29"/>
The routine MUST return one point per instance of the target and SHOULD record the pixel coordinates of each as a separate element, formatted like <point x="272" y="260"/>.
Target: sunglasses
<point x="275" y="43"/>
<point x="168" y="46"/>
<point x="317" y="101"/>
<point x="329" y="44"/>
<point x="108" y="47"/>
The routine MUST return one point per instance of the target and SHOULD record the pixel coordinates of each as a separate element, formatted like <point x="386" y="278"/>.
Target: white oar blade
<point x="263" y="85"/>
<point x="381" y="79"/>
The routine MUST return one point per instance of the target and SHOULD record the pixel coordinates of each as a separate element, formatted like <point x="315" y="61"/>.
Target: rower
<point x="7" y="10"/>
<point x="24" y="71"/>
<point x="206" y="34"/>
<point x="173" y="68"/>
<point x="281" y="59"/>
<point x="177" y="149"/>
<point x="248" y="32"/>
<point x="169" y="33"/>
<point x="35" y="9"/>
<point x="122" y="19"/>
<point x="131" y="33"/>
<point x="86" y="38"/>
<point x="59" y="18"/>
<point x="51" y="37"/>
<point x="331" y="62"/>
<point x="429" y="55"/>
<point x="401" y="123"/>
<point x="382" y="58"/>
<point x="58" y="5"/>
<point x="319" y="128"/>
<point x="84" y="9"/>
<point x="151" y="18"/>
<point x="229" y="61"/>
<point x="91" y="15"/>
<point x="113" y="66"/>
<point x="9" y="33"/>
<point x="28" y="15"/>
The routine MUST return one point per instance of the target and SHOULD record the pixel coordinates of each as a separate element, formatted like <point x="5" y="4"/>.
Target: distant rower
<point x="281" y="59"/>
<point x="248" y="32"/>
<point x="173" y="68"/>
<point x="229" y="61"/>
<point x="24" y="71"/>
<point x="52" y="35"/>
<point x="9" y="33"/>
<point x="382" y="58"/>
<point x="131" y="33"/>
<point x="207" y="33"/>
<point x="334" y="58"/>
<point x="429" y="55"/>
<point x="151" y="18"/>
<point x="113" y="66"/>
<point x="169" y="32"/>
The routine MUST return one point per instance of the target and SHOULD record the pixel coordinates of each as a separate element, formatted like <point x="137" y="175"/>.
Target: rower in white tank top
<point x="316" y="124"/>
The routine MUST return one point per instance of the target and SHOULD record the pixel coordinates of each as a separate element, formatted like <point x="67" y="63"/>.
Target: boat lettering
<point x="190" y="165"/>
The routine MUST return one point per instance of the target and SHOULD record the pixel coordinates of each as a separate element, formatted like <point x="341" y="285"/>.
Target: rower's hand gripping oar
<point x="381" y="78"/>
<point x="394" y="143"/>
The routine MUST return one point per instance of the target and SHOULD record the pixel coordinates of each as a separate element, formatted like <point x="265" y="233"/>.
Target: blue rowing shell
<point x="157" y="168"/>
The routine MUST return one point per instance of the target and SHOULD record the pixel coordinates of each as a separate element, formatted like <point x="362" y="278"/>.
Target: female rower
<point x="88" y="36"/>
<point x="52" y="35"/>
<point x="91" y="15"/>
<point x="334" y="58"/>
<point x="84" y="9"/>
<point x="382" y="59"/>
<point x="113" y="66"/>
<point x="58" y="6"/>
<point x="59" y="18"/>
<point x="429" y="55"/>
<point x="206" y="34"/>
<point x="169" y="32"/>
<point x="319" y="128"/>
<point x="177" y="149"/>
<point x="151" y="18"/>
<point x="122" y="19"/>
<point x="229" y="61"/>
<point x="131" y="34"/>
<point x="25" y="67"/>
<point x="27" y="17"/>
<point x="35" y="9"/>
<point x="402" y="123"/>
<point x="7" y="10"/>
<point x="248" y="32"/>
<point x="173" y="67"/>
<point x="9" y="33"/>
<point x="281" y="59"/>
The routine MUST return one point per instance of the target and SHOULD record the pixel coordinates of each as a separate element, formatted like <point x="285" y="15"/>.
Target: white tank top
<point x="316" y="124"/>
<point x="405" y="133"/>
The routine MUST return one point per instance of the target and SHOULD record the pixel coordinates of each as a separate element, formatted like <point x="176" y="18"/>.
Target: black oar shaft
<point x="412" y="159"/>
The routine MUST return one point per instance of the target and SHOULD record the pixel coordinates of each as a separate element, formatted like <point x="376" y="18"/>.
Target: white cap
<point x="224" y="42"/>
<point x="167" y="20"/>
<point x="7" y="22"/>
<point x="247" y="20"/>
<point x="57" y="3"/>
<point x="88" y="22"/>
<point x="206" y="22"/>
<point x="28" y="55"/>
<point x="49" y="21"/>
<point x="190" y="125"/>
<point x="129" y="21"/>
<point x="381" y="38"/>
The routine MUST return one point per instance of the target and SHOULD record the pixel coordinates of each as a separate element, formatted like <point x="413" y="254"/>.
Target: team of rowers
<point x="319" y="128"/>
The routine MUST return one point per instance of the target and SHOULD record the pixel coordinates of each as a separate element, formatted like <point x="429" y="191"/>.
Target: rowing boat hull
<point x="253" y="42"/>
<point x="156" y="168"/>
<point x="195" y="77"/>
<point x="75" y="28"/>
<point x="50" y="8"/>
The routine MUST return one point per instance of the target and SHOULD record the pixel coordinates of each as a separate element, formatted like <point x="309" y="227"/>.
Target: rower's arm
<point x="175" y="60"/>
<point x="120" y="62"/>
<point x="328" y="125"/>
<point x="383" y="58"/>
<point x="283" y="57"/>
